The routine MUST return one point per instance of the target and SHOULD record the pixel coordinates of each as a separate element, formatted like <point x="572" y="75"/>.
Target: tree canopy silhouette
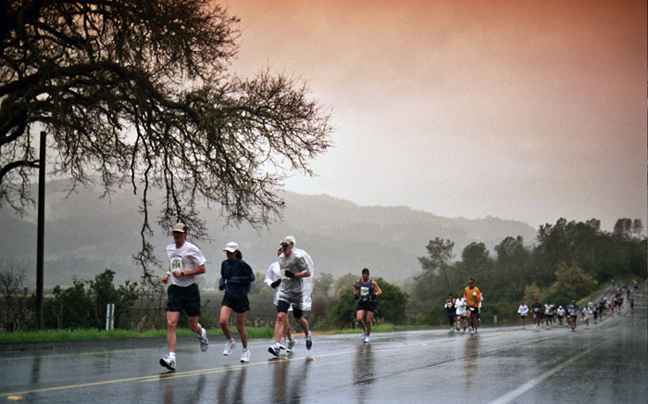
<point x="138" y="94"/>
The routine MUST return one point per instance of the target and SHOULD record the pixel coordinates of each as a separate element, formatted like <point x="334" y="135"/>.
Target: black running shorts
<point x="184" y="298"/>
<point x="283" y="306"/>
<point x="367" y="305"/>
<point x="239" y="305"/>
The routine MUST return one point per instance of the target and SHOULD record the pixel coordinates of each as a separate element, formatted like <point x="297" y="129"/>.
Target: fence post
<point x="110" y="316"/>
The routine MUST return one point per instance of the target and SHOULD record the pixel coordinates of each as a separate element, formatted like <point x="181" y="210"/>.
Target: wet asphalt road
<point x="602" y="363"/>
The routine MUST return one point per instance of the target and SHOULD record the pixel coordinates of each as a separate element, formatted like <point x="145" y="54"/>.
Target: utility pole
<point x="40" y="248"/>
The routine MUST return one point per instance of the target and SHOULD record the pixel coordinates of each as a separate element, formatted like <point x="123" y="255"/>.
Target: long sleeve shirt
<point x="236" y="278"/>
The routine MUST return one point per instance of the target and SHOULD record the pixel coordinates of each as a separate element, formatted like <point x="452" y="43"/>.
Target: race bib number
<point x="177" y="263"/>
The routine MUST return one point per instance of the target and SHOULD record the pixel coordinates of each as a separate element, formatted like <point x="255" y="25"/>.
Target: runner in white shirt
<point x="523" y="310"/>
<point x="548" y="314"/>
<point x="560" y="313"/>
<point x="185" y="262"/>
<point x="461" y="312"/>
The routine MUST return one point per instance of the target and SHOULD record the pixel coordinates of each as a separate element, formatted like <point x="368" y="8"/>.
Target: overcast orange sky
<point x="528" y="110"/>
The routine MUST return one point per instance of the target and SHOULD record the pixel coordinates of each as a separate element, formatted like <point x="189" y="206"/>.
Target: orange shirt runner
<point x="472" y="300"/>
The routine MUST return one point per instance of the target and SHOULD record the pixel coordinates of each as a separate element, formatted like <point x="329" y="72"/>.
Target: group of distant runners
<point x="463" y="311"/>
<point x="290" y="278"/>
<point x="549" y="314"/>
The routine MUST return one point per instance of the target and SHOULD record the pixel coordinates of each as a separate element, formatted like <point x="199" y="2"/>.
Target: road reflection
<point x="169" y="392"/>
<point x="35" y="369"/>
<point x="471" y="362"/>
<point x="231" y="390"/>
<point x="363" y="374"/>
<point x="285" y="388"/>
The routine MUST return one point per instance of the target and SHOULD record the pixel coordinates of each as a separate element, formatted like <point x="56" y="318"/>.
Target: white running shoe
<point x="366" y="339"/>
<point x="229" y="346"/>
<point x="204" y="342"/>
<point x="245" y="357"/>
<point x="168" y="362"/>
<point x="309" y="341"/>
<point x="285" y="344"/>
<point x="291" y="344"/>
<point x="275" y="349"/>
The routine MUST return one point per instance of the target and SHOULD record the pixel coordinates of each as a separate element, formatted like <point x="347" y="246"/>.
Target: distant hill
<point x="85" y="235"/>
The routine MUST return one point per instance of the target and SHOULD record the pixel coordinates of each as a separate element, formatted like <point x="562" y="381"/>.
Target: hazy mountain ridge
<point x="85" y="235"/>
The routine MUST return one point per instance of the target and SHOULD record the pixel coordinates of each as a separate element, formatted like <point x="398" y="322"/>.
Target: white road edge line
<point x="510" y="396"/>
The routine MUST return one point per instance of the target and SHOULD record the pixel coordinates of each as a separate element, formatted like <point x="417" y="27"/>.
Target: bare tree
<point x="140" y="93"/>
<point x="14" y="310"/>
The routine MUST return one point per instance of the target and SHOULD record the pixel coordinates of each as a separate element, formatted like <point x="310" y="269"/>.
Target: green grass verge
<point x="68" y="335"/>
<point x="93" y="334"/>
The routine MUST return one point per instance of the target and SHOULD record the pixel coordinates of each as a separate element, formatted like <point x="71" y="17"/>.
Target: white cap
<point x="288" y="240"/>
<point x="231" y="247"/>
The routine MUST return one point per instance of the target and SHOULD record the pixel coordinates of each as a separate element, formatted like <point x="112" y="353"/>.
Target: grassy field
<point x="93" y="334"/>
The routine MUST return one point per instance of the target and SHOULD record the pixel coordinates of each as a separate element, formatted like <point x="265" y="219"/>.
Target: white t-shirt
<point x="461" y="306"/>
<point x="523" y="310"/>
<point x="273" y="274"/>
<point x="549" y="308"/>
<point x="184" y="258"/>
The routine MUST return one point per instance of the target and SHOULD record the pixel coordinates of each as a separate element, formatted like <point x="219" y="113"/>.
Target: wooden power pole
<point x="40" y="248"/>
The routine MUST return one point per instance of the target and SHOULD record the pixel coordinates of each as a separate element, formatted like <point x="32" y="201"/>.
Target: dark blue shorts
<point x="184" y="298"/>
